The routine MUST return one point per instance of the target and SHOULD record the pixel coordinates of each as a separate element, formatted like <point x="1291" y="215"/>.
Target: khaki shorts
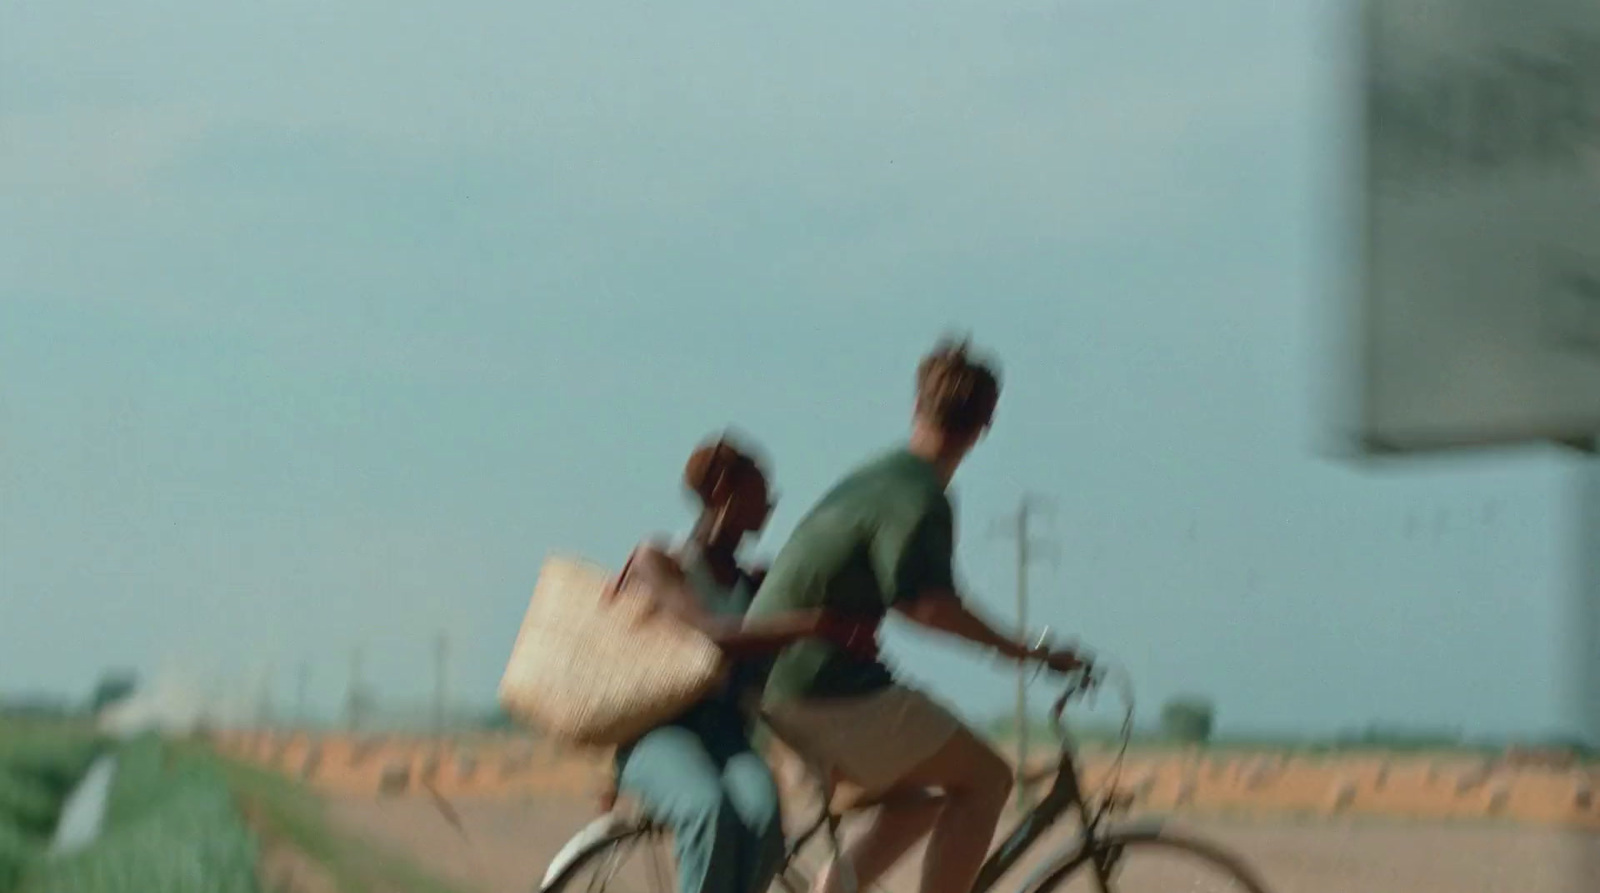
<point x="874" y="740"/>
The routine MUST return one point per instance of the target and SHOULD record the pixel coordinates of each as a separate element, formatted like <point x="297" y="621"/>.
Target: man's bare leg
<point x="893" y="831"/>
<point x="976" y="782"/>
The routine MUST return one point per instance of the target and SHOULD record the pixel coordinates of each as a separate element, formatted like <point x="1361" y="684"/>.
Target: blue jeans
<point x="700" y="777"/>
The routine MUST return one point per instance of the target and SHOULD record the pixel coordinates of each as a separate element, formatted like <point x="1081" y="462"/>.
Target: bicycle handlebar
<point x="1082" y="684"/>
<point x="1085" y="683"/>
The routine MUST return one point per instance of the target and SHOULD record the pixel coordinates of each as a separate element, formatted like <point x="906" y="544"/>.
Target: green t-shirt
<point x="883" y="535"/>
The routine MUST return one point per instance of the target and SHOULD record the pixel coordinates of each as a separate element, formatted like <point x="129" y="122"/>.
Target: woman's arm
<point x="662" y="580"/>
<point x="764" y="636"/>
<point x="658" y="577"/>
<point x="771" y="634"/>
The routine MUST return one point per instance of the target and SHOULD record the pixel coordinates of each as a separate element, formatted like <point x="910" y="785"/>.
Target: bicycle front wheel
<point x="634" y="860"/>
<point x="1154" y="862"/>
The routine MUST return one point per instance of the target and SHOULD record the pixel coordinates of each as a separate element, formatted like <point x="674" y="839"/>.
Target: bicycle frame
<point x="1065" y="795"/>
<point x="1102" y="840"/>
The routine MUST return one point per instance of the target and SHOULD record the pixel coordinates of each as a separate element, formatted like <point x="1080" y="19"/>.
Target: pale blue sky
<point x="324" y="325"/>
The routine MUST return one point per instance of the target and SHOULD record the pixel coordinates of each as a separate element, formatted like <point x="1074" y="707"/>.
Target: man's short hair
<point x="956" y="392"/>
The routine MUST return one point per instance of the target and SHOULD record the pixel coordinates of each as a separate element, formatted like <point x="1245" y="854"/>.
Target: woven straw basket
<point x="587" y="671"/>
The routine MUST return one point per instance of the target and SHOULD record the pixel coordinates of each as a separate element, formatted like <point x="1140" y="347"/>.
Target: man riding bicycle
<point x="883" y="539"/>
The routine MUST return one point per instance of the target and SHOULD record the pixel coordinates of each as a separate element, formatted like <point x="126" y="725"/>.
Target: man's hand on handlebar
<point x="1066" y="660"/>
<point x="1085" y="679"/>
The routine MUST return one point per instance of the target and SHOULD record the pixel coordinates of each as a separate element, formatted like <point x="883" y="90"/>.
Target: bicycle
<point x="1100" y="852"/>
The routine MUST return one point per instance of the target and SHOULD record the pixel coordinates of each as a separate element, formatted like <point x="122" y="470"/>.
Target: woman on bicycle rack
<point x="698" y="774"/>
<point x="883" y="539"/>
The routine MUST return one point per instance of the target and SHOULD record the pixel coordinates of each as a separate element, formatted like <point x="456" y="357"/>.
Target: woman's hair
<point x="714" y="466"/>
<point x="955" y="392"/>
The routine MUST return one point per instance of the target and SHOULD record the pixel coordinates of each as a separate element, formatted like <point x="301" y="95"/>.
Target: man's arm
<point x="943" y="610"/>
<point x="651" y="571"/>
<point x="924" y="590"/>
<point x="764" y="636"/>
<point x="915" y="559"/>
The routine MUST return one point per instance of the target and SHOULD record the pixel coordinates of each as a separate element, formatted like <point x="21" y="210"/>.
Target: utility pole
<point x="301" y="694"/>
<point x="441" y="653"/>
<point x="355" y="698"/>
<point x="264" y="711"/>
<point x="1017" y="527"/>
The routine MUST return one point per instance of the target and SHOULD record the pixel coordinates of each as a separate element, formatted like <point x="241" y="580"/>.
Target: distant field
<point x="1239" y="780"/>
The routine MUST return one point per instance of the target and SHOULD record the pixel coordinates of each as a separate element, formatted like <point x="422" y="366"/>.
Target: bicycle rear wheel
<point x="633" y="860"/>
<point x="1154" y="862"/>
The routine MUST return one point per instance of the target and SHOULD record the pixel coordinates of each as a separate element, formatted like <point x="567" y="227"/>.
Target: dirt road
<point x="511" y="842"/>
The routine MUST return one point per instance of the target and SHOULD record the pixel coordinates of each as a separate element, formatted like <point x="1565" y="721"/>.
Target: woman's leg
<point x="753" y="792"/>
<point x="750" y="789"/>
<point x="680" y="785"/>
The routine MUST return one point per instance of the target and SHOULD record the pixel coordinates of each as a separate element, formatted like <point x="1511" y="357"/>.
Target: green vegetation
<point x="1396" y="738"/>
<point x="114" y="687"/>
<point x="175" y="820"/>
<point x="17" y="851"/>
<point x="28" y="804"/>
<point x="285" y="811"/>
<point x="497" y="719"/>
<point x="1188" y="719"/>
<point x="1375" y="739"/>
<point x="39" y="763"/>
<point x="170" y="825"/>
